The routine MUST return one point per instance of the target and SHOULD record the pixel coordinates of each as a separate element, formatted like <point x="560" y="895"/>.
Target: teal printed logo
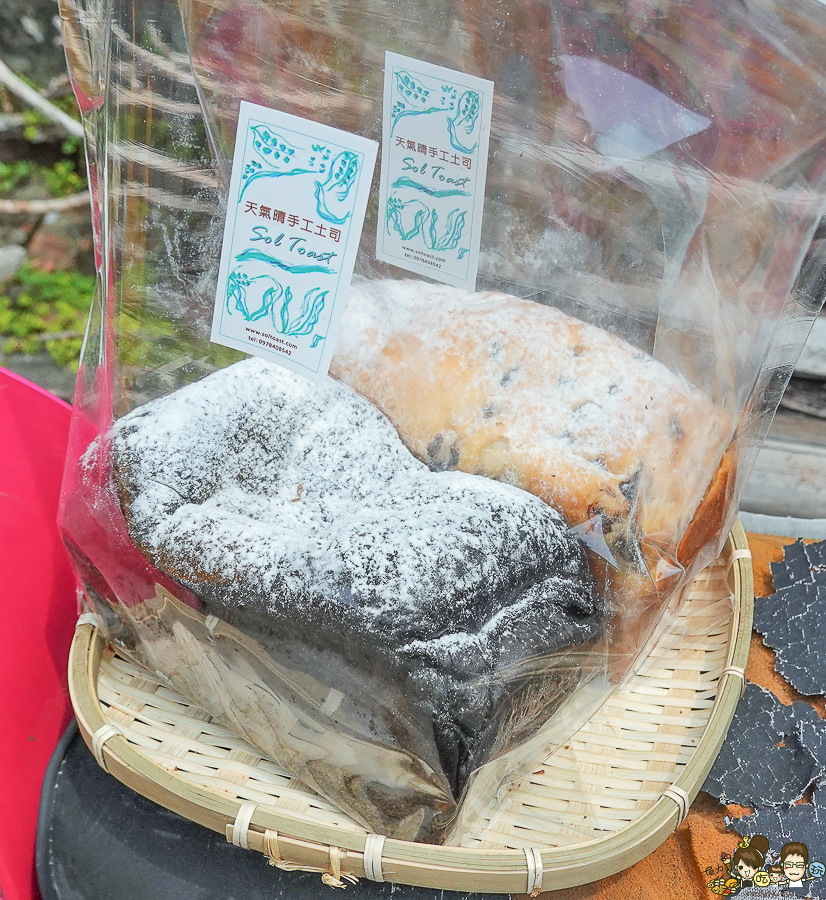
<point x="332" y="195"/>
<point x="463" y="126"/>
<point x="423" y="222"/>
<point x="295" y="268"/>
<point x="262" y="297"/>
<point x="415" y="99"/>
<point x="409" y="182"/>
<point x="434" y="162"/>
<point x="276" y="157"/>
<point x="297" y="196"/>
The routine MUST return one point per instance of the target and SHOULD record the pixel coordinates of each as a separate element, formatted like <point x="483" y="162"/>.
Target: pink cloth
<point x="37" y="592"/>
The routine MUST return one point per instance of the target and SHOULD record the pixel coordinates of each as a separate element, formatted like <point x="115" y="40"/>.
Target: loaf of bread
<point x="297" y="516"/>
<point x="520" y="392"/>
<point x="490" y="384"/>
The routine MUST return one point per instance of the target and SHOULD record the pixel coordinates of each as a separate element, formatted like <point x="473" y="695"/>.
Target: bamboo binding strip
<point x="603" y="801"/>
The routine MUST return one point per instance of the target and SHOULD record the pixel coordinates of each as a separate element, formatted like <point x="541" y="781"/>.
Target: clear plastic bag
<point x="401" y="591"/>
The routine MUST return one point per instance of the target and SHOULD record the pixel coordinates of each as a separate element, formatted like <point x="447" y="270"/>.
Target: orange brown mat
<point x="678" y="869"/>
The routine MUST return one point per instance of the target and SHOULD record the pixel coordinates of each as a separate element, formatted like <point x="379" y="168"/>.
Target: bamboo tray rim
<point x="311" y="845"/>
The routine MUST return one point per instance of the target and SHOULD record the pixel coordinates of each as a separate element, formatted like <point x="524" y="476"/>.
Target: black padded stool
<point x="98" y="840"/>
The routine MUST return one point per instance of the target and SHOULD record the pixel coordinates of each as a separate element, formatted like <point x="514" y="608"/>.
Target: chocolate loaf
<point x="296" y="514"/>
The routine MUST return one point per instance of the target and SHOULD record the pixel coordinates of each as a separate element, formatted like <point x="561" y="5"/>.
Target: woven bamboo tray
<point x="602" y="802"/>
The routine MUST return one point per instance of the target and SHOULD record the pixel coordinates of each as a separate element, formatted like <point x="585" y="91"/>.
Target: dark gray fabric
<point x="772" y="753"/>
<point x="98" y="840"/>
<point x="792" y="620"/>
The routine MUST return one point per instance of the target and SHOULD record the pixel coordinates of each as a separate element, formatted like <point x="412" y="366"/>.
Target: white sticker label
<point x="297" y="198"/>
<point x="433" y="166"/>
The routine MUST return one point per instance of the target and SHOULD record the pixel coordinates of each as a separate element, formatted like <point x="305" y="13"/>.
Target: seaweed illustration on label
<point x="404" y="181"/>
<point x="463" y="124"/>
<point x="237" y="284"/>
<point x="425" y="224"/>
<point x="417" y="99"/>
<point x="335" y="190"/>
<point x="307" y="317"/>
<point x="293" y="268"/>
<point x="277" y="157"/>
<point x="397" y="210"/>
<point x="453" y="230"/>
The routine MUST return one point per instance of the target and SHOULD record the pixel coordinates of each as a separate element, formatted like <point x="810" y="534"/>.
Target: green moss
<point x="35" y="304"/>
<point x="14" y="173"/>
<point x="67" y="175"/>
<point x="63" y="179"/>
<point x="38" y="303"/>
